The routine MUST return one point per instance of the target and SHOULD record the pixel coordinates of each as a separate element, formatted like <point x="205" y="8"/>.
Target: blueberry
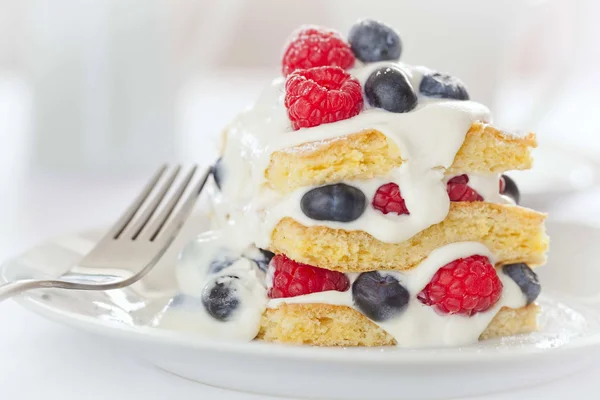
<point x="525" y="278"/>
<point x="372" y="41"/>
<point x="261" y="257"/>
<point x="223" y="259"/>
<point x="379" y="297"/>
<point x="389" y="88"/>
<point x="443" y="86"/>
<point x="511" y="189"/>
<point x="220" y="297"/>
<point x="337" y="202"/>
<point x="217" y="172"/>
<point x="264" y="262"/>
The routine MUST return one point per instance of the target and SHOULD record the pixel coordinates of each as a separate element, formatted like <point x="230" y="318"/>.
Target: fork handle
<point x="11" y="289"/>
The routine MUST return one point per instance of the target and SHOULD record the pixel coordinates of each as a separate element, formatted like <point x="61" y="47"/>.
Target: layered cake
<point x="362" y="201"/>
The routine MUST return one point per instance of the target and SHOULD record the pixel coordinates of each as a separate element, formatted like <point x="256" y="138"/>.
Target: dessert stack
<point x="375" y="192"/>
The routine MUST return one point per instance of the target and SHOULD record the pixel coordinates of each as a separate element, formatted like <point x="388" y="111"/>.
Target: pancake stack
<point x="513" y="234"/>
<point x="377" y="190"/>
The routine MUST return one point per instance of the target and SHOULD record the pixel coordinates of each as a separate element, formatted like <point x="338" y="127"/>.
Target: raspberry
<point x="459" y="190"/>
<point x="316" y="47"/>
<point x="388" y="199"/>
<point x="464" y="286"/>
<point x="295" y="279"/>
<point x="502" y="184"/>
<point x="321" y="95"/>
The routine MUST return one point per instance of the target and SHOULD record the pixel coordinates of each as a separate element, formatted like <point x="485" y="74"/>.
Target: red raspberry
<point x="458" y="190"/>
<point x="388" y="199"/>
<point x="502" y="184"/>
<point x="313" y="46"/>
<point x="294" y="279"/>
<point x="321" y="95"/>
<point x="464" y="286"/>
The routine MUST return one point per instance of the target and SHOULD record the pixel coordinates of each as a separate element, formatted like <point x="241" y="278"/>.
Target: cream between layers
<point x="390" y="228"/>
<point x="420" y="325"/>
<point x="417" y="326"/>
<point x="429" y="136"/>
<point x="247" y="211"/>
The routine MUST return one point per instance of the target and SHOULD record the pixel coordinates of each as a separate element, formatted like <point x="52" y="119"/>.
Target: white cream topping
<point x="186" y="312"/>
<point x="420" y="325"/>
<point x="247" y="211"/>
<point x="487" y="185"/>
<point x="417" y="326"/>
<point x="391" y="228"/>
<point x="428" y="136"/>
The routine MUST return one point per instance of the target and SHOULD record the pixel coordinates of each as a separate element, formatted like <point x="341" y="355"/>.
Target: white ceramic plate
<point x="569" y="338"/>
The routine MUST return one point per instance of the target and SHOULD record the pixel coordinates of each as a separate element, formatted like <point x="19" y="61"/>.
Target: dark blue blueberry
<point x="443" y="86"/>
<point x="263" y="263"/>
<point x="379" y="297"/>
<point x="389" y="88"/>
<point x="220" y="297"/>
<point x="525" y="278"/>
<point x="217" y="171"/>
<point x="261" y="257"/>
<point x="511" y="189"/>
<point x="372" y="41"/>
<point x="223" y="259"/>
<point x="338" y="202"/>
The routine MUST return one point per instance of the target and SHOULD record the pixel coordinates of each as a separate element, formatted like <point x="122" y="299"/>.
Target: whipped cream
<point x="196" y="270"/>
<point x="420" y="325"/>
<point x="246" y="211"/>
<point x="487" y="185"/>
<point x="428" y="137"/>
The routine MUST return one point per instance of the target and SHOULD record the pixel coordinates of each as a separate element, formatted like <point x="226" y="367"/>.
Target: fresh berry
<point x="459" y="190"/>
<point x="390" y="89"/>
<point x="217" y="172"/>
<point x="525" y="278"/>
<point x="220" y="297"/>
<point x="264" y="260"/>
<point x="388" y="199"/>
<point x="338" y="202"/>
<point x="313" y="46"/>
<point x="321" y="95"/>
<point x="291" y="278"/>
<point x="379" y="296"/>
<point x="260" y="257"/>
<point x="223" y="259"/>
<point x="372" y="41"/>
<point x="464" y="286"/>
<point x="443" y="86"/>
<point x="509" y="188"/>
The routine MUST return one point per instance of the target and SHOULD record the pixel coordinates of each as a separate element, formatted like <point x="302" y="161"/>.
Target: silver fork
<point x="135" y="242"/>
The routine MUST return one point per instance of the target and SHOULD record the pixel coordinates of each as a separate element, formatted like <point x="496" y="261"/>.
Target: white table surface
<point x="41" y="359"/>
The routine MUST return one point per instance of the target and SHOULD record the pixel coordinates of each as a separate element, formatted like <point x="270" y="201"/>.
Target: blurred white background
<point x="119" y="85"/>
<point x="94" y="94"/>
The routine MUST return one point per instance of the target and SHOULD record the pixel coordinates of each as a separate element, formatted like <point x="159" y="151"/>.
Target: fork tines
<point x="153" y="213"/>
